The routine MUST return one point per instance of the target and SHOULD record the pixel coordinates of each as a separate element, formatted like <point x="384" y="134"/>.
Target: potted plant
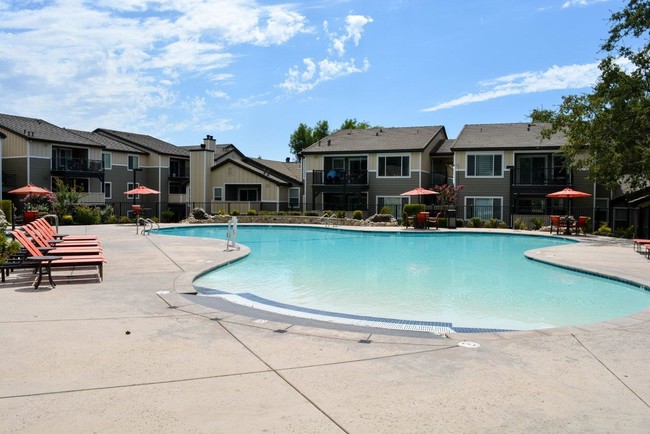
<point x="35" y="203"/>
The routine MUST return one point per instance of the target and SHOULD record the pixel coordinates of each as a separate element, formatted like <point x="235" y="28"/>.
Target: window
<point x="134" y="162"/>
<point x="177" y="187"/>
<point x="530" y="205"/>
<point x="248" y="194"/>
<point x="178" y="169"/>
<point x="217" y="193"/>
<point x="106" y="161"/>
<point x="484" y="165"/>
<point x="108" y="190"/>
<point x="395" y="203"/>
<point x="394" y="166"/>
<point x="130" y="186"/>
<point x="294" y="197"/>
<point x="484" y="207"/>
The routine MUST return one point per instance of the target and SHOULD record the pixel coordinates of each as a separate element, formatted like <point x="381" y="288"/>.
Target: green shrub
<point x="84" y="215"/>
<point x="460" y="223"/>
<point x="234" y="213"/>
<point x="490" y="224"/>
<point x="105" y="213"/>
<point x="67" y="219"/>
<point x="518" y="224"/>
<point x="536" y="223"/>
<point x="168" y="215"/>
<point x="386" y="210"/>
<point x="504" y="225"/>
<point x="412" y="209"/>
<point x="251" y="212"/>
<point x="311" y="213"/>
<point x="6" y="207"/>
<point x="8" y="247"/>
<point x="340" y="214"/>
<point x="604" y="230"/>
<point x="442" y="222"/>
<point x="475" y="222"/>
<point x="112" y="219"/>
<point x="357" y="215"/>
<point x="625" y="232"/>
<point x="123" y="220"/>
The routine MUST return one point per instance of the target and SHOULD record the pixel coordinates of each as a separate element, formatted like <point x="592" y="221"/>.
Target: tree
<point x="321" y="130"/>
<point x="612" y="123"/>
<point x="353" y="124"/>
<point x="300" y="139"/>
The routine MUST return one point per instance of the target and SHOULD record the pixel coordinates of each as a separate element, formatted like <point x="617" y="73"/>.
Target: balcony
<point x="339" y="177"/>
<point x="77" y="167"/>
<point x="539" y="177"/>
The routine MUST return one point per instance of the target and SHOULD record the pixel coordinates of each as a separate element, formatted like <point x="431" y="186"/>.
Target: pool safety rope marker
<point x="231" y="235"/>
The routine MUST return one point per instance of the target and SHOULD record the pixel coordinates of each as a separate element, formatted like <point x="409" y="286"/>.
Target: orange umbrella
<point x="30" y="189"/>
<point x="567" y="193"/>
<point x="142" y="190"/>
<point x="418" y="192"/>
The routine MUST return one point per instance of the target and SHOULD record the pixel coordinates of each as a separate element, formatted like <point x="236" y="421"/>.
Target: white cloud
<point x="327" y="69"/>
<point x="572" y="3"/>
<point x="316" y="73"/>
<point x="124" y="60"/>
<point x="354" y="25"/>
<point x="554" y="78"/>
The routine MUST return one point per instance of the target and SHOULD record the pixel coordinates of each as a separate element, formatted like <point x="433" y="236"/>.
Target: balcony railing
<point x="76" y="165"/>
<point x="339" y="177"/>
<point x="553" y="176"/>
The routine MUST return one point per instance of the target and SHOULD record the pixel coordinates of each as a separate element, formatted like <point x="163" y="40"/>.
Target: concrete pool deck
<point x="133" y="354"/>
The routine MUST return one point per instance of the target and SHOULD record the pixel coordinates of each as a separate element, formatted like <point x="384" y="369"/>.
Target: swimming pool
<point x="457" y="279"/>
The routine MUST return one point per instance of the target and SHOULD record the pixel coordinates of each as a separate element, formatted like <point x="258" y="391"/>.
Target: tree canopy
<point x="612" y="123"/>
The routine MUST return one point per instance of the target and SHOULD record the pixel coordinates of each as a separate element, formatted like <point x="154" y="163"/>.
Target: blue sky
<point x="249" y="72"/>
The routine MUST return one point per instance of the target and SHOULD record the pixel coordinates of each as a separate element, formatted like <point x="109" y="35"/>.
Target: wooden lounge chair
<point x="50" y="261"/>
<point x="433" y="221"/>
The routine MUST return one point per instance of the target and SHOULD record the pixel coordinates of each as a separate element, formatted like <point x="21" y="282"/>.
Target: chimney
<point x="209" y="142"/>
<point x="288" y="160"/>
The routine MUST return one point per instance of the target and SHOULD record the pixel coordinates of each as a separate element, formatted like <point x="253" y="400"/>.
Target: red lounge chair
<point x="50" y="261"/>
<point x="557" y="222"/>
<point x="639" y="243"/>
<point x="51" y="250"/>
<point x="47" y="230"/>
<point x="42" y="241"/>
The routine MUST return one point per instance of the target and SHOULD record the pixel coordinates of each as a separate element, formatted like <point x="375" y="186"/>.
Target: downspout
<point x="160" y="185"/>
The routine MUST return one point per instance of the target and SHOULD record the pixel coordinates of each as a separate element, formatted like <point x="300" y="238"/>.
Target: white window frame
<point x="294" y="202"/>
<point x="473" y="198"/>
<point x="402" y="156"/>
<point x="484" y="154"/>
<point x="110" y="190"/>
<point x="135" y="158"/>
<point x="130" y="186"/>
<point x="107" y="156"/>
<point x="217" y="194"/>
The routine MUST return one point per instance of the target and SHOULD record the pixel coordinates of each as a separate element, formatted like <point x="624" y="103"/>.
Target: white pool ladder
<point x="329" y="219"/>
<point x="231" y="235"/>
<point x="144" y="222"/>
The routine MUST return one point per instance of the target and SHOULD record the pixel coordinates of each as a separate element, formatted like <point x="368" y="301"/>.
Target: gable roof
<point x="145" y="142"/>
<point x="506" y="136"/>
<point x="109" y="143"/>
<point x="259" y="171"/>
<point x="290" y="170"/>
<point x="375" y="140"/>
<point x="38" y="129"/>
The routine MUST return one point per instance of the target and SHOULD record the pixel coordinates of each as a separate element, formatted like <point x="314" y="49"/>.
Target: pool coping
<point x="537" y="255"/>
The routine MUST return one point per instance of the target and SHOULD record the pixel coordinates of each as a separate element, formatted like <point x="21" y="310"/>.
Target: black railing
<point x="553" y="176"/>
<point x="77" y="164"/>
<point x="343" y="177"/>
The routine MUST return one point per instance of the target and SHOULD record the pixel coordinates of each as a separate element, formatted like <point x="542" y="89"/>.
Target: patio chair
<point x="422" y="220"/>
<point x="42" y="241"/>
<point x="47" y="229"/>
<point x="639" y="243"/>
<point x="433" y="221"/>
<point x="581" y="225"/>
<point x="48" y="261"/>
<point x="556" y="221"/>
<point x="55" y="250"/>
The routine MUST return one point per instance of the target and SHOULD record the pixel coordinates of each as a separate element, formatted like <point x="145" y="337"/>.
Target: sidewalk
<point x="132" y="354"/>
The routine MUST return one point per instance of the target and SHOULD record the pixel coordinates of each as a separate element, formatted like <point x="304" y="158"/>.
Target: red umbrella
<point x="567" y="193"/>
<point x="418" y="192"/>
<point x="30" y="189"/>
<point x="142" y="190"/>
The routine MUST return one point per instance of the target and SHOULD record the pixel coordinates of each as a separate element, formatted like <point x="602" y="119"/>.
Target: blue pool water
<point x="474" y="280"/>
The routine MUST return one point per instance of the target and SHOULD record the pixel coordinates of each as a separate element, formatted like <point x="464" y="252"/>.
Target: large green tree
<point x="302" y="137"/>
<point x="305" y="136"/>
<point x="612" y="123"/>
<point x="354" y="124"/>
